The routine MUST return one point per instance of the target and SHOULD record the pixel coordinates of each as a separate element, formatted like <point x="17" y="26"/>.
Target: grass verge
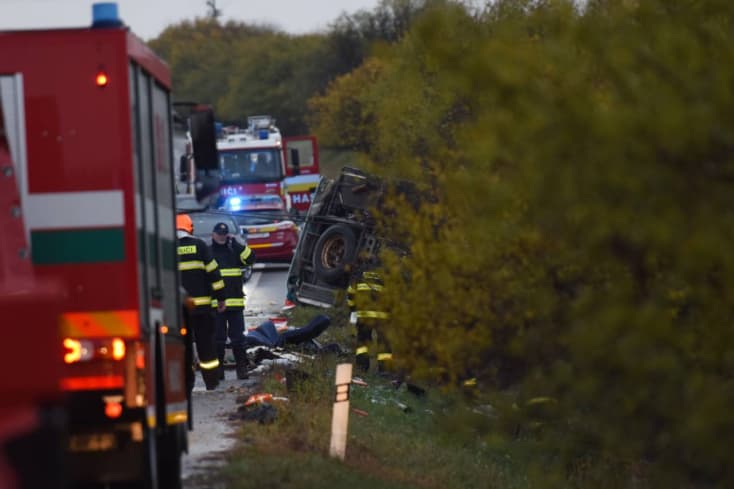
<point x="401" y="442"/>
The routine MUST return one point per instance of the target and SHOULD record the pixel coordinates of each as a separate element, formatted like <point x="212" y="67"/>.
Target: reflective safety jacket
<point x="362" y="294"/>
<point x="199" y="272"/>
<point x="231" y="257"/>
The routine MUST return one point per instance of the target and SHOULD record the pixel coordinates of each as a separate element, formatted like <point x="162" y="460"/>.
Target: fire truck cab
<point x="258" y="161"/>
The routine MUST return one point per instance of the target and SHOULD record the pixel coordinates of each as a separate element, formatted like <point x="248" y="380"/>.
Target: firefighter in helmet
<point x="203" y="282"/>
<point x="231" y="257"/>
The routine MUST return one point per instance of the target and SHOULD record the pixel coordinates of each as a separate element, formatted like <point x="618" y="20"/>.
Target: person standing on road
<point x="231" y="256"/>
<point x="201" y="279"/>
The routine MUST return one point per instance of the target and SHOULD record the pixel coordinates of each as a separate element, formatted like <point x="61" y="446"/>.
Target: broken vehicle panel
<point x="339" y="236"/>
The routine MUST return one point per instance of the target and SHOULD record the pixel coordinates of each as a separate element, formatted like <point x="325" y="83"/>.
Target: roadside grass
<point x="404" y="441"/>
<point x="400" y="443"/>
<point x="388" y="448"/>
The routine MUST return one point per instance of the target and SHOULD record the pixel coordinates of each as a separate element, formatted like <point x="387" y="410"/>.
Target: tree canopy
<point x="575" y="251"/>
<point x="244" y="69"/>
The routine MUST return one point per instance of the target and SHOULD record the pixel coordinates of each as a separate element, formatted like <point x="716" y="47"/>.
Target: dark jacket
<point x="231" y="257"/>
<point x="199" y="273"/>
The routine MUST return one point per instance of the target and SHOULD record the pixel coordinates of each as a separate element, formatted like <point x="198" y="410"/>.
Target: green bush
<point x="582" y="163"/>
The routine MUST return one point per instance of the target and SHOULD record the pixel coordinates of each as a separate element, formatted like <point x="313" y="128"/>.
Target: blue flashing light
<point x="235" y="203"/>
<point x="218" y="128"/>
<point x="105" y="14"/>
<point x="264" y="133"/>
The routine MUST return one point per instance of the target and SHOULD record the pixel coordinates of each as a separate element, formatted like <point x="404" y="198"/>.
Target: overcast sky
<point x="147" y="18"/>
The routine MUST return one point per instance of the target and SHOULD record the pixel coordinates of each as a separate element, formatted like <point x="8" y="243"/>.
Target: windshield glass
<point x="204" y="224"/>
<point x="250" y="165"/>
<point x="260" y="217"/>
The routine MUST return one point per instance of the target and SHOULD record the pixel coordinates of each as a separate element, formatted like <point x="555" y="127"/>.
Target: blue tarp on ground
<point x="267" y="335"/>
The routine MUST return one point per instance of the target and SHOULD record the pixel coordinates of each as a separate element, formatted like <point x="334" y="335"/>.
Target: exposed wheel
<point x="335" y="248"/>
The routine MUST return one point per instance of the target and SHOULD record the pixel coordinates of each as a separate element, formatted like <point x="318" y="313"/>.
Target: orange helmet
<point x="184" y="222"/>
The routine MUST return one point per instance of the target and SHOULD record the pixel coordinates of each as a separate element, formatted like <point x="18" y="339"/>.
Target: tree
<point x="578" y="248"/>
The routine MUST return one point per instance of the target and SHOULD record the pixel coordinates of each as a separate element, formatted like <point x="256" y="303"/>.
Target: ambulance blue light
<point x="235" y="203"/>
<point x="263" y="133"/>
<point x="105" y="14"/>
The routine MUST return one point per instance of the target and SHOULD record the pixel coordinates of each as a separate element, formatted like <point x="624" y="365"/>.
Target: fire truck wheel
<point x="169" y="459"/>
<point x="335" y="248"/>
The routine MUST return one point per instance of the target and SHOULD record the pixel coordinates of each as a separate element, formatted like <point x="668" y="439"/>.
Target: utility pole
<point x="214" y="12"/>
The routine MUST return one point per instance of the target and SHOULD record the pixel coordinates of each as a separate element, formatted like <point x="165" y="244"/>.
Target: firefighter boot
<point x="384" y="364"/>
<point x="362" y="360"/>
<point x="241" y="361"/>
<point x="220" y="355"/>
<point x="211" y="378"/>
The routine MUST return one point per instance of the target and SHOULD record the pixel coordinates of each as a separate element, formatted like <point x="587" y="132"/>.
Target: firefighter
<point x="231" y="257"/>
<point x="203" y="282"/>
<point x="362" y="294"/>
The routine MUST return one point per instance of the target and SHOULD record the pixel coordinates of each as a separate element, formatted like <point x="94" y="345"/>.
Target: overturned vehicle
<point x="339" y="237"/>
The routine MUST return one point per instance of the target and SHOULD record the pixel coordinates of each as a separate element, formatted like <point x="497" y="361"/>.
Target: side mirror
<point x="183" y="165"/>
<point x="206" y="186"/>
<point x="295" y="158"/>
<point x="206" y="157"/>
<point x="204" y="140"/>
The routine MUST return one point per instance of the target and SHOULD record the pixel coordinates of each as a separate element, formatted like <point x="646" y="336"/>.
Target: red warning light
<point x="113" y="410"/>
<point x="102" y="79"/>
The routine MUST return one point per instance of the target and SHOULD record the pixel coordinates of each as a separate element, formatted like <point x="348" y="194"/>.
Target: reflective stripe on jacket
<point x="362" y="294"/>
<point x="231" y="257"/>
<point x="199" y="272"/>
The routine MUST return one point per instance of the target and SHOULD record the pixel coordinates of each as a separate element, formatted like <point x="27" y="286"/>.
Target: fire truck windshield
<point x="250" y="165"/>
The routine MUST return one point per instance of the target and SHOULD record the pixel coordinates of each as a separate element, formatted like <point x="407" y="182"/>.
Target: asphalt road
<point x="213" y="434"/>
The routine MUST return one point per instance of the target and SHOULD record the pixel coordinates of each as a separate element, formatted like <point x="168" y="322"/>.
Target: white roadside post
<point x="340" y="419"/>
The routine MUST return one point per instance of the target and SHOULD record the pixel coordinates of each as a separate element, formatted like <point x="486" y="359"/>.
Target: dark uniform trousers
<point x="231" y="257"/>
<point x="369" y="323"/>
<point x="201" y="279"/>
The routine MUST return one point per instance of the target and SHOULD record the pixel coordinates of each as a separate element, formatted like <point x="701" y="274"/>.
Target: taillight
<point x="113" y="406"/>
<point x="118" y="349"/>
<point x="74" y="351"/>
<point x="113" y="410"/>
<point x="87" y="350"/>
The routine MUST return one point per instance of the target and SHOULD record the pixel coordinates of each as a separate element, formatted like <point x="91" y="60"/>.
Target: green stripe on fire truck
<point x="55" y="247"/>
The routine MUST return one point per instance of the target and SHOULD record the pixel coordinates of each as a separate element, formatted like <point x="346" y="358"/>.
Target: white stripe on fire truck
<point x="75" y="210"/>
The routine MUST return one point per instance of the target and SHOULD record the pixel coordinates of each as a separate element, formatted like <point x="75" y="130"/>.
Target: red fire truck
<point x="258" y="161"/>
<point x="86" y="137"/>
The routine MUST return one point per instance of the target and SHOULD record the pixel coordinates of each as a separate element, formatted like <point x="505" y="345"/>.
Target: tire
<point x="335" y="249"/>
<point x="169" y="459"/>
<point x="246" y="274"/>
